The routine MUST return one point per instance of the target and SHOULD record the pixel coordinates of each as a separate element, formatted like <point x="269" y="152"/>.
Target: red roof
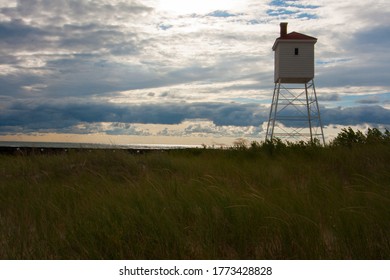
<point x="294" y="36"/>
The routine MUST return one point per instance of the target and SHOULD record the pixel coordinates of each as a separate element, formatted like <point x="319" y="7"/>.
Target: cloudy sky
<point x="180" y="71"/>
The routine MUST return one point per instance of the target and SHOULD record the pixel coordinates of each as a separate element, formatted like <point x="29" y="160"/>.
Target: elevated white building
<point x="294" y="112"/>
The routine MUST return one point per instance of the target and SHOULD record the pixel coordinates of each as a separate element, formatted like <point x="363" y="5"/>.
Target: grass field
<point x="242" y="203"/>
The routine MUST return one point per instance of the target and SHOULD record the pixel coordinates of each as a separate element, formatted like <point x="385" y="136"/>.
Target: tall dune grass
<point x="294" y="203"/>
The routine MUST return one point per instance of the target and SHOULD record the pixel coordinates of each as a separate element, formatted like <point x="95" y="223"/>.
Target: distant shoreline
<point x="9" y="147"/>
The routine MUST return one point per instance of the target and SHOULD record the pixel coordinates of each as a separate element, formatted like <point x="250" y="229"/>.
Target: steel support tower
<point x="295" y="114"/>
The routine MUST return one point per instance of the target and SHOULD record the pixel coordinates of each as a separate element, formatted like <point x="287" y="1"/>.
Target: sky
<point x="181" y="72"/>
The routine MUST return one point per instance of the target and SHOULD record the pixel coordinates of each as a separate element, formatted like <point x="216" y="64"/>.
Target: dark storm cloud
<point x="57" y="116"/>
<point x="374" y="114"/>
<point x="16" y="36"/>
<point x="60" y="117"/>
<point x="11" y="86"/>
<point x="16" y="30"/>
<point x="368" y="101"/>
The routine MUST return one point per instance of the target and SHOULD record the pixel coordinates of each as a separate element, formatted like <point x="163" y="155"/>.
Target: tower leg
<point x="272" y="113"/>
<point x="308" y="112"/>
<point x="321" y="132"/>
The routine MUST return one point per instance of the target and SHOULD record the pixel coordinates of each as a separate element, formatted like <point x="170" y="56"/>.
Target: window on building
<point x="296" y="51"/>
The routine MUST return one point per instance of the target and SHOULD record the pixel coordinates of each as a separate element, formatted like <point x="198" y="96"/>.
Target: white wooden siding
<point x="293" y="68"/>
